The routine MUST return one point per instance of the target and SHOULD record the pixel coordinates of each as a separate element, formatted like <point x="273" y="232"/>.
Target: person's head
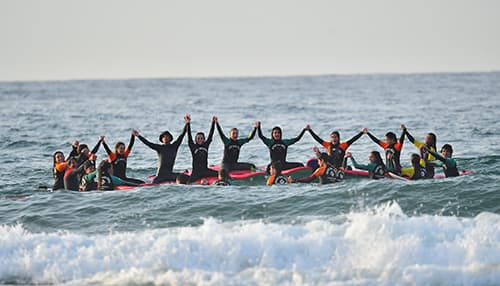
<point x="233" y="133"/>
<point x="415" y="160"/>
<point x="83" y="149"/>
<point x="276" y="133"/>
<point x="335" y="137"/>
<point x="223" y="174"/>
<point x="166" y="137"/>
<point x="105" y="167"/>
<point x="374" y="157"/>
<point x="120" y="148"/>
<point x="58" y="157"/>
<point x="390" y="138"/>
<point x="72" y="163"/>
<point x="199" y="138"/>
<point x="275" y="169"/>
<point x="89" y="167"/>
<point x="323" y="159"/>
<point x="447" y="151"/>
<point x="430" y="140"/>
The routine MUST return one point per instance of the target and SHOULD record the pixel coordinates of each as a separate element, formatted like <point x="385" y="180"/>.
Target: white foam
<point x="377" y="247"/>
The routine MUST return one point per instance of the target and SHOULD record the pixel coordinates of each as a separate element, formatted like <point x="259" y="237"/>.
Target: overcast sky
<point x="64" y="39"/>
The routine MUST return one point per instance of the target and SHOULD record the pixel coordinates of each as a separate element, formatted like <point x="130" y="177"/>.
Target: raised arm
<point x="223" y="137"/>
<point x="316" y="137"/>
<point x="289" y="142"/>
<point x="151" y="145"/>
<point x="131" y="142"/>
<point x="106" y="147"/>
<point x="211" y="132"/>
<point x="355" y="138"/>
<point x="96" y="147"/>
<point x="266" y="141"/>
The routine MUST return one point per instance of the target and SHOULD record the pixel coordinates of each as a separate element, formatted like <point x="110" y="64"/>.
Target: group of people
<point x="78" y="171"/>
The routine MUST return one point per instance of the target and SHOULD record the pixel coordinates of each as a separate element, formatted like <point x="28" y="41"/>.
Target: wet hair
<point x="72" y="161"/>
<point x="391" y="136"/>
<point x="233" y="129"/>
<point x="276" y="128"/>
<point x="335" y="133"/>
<point x="117" y="145"/>
<point x="88" y="164"/>
<point x="103" y="169"/>
<point x="323" y="156"/>
<point x="165" y="133"/>
<point x="378" y="158"/>
<point x="434" y="140"/>
<point x="81" y="147"/>
<point x="415" y="160"/>
<point x="200" y="133"/>
<point x="55" y="154"/>
<point x="447" y="147"/>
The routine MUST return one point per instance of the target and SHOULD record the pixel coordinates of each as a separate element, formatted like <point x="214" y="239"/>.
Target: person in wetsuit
<point x="119" y="157"/>
<point x="232" y="146"/>
<point x="392" y="149"/>
<point x="416" y="171"/>
<point x="278" y="147"/>
<point x="199" y="152"/>
<point x="223" y="178"/>
<point x="58" y="169"/>
<point x="73" y="174"/>
<point x="375" y="168"/>
<point x="275" y="176"/>
<point x="100" y="179"/>
<point x="84" y="153"/>
<point x="326" y="172"/>
<point x="449" y="164"/>
<point x="336" y="150"/>
<point x="428" y="161"/>
<point x="167" y="152"/>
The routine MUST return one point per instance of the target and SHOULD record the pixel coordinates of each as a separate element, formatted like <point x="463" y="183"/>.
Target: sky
<point x="65" y="39"/>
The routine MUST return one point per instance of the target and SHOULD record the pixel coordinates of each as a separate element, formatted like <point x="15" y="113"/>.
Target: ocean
<point x="355" y="232"/>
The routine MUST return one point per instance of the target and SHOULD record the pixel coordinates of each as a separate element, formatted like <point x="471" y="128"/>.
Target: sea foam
<point x="381" y="246"/>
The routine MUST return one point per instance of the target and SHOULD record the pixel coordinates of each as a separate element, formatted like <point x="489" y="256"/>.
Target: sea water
<point x="356" y="232"/>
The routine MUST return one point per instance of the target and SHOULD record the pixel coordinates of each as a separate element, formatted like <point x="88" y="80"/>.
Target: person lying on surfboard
<point x="276" y="177"/>
<point x="392" y="149"/>
<point x="278" y="147"/>
<point x="448" y="163"/>
<point x="336" y="149"/>
<point x="232" y="146"/>
<point x="326" y="173"/>
<point x="428" y="161"/>
<point x="375" y="168"/>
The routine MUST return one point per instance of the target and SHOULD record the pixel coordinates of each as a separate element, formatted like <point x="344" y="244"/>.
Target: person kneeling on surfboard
<point x="375" y="168"/>
<point x="449" y="164"/>
<point x="276" y="177"/>
<point x="326" y="173"/>
<point x="199" y="152"/>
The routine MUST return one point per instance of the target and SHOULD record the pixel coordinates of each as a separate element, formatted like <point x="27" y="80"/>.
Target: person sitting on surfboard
<point x="449" y="164"/>
<point x="199" y="152"/>
<point x="392" y="149"/>
<point x="275" y="176"/>
<point x="118" y="158"/>
<point x="336" y="149"/>
<point x="58" y="169"/>
<point x="326" y="173"/>
<point x="416" y="171"/>
<point x="375" y="168"/>
<point x="428" y="161"/>
<point x="232" y="146"/>
<point x="167" y="152"/>
<point x="278" y="147"/>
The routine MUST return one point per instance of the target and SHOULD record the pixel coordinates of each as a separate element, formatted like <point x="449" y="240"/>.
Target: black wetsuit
<point x="392" y="165"/>
<point x="278" y="149"/>
<point x="336" y="152"/>
<point x="72" y="179"/>
<point x="200" y="156"/>
<point x="82" y="158"/>
<point x="119" y="161"/>
<point x="232" y="151"/>
<point x="166" y="157"/>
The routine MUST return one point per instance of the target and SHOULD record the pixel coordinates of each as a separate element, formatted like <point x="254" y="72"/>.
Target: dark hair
<point x="102" y="169"/>
<point x="166" y="133"/>
<point x="434" y="139"/>
<point x="118" y="145"/>
<point x="378" y="158"/>
<point x="415" y="160"/>
<point x="81" y="147"/>
<point x="276" y="128"/>
<point x="335" y="133"/>
<point x="391" y="136"/>
<point x="233" y="129"/>
<point x="447" y="147"/>
<point x="223" y="174"/>
<point x="54" y="156"/>
<point x="323" y="156"/>
<point x="200" y="133"/>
